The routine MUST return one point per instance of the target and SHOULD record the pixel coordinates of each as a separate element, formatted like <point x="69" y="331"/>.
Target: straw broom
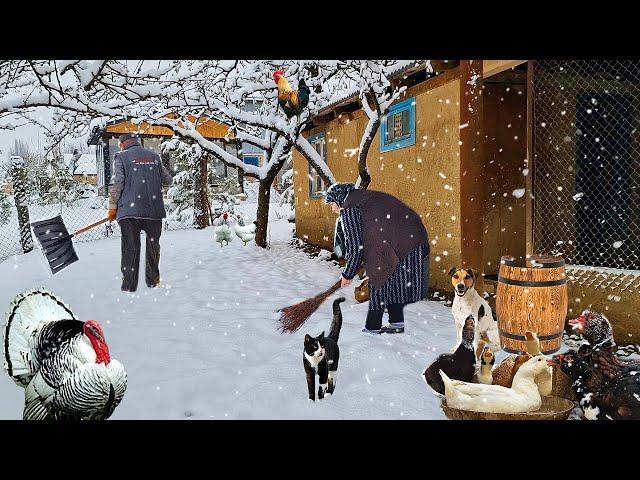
<point x="293" y="316"/>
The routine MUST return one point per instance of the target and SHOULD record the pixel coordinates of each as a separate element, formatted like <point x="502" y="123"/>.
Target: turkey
<point x="62" y="363"/>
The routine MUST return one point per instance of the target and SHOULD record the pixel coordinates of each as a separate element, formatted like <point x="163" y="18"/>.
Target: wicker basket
<point x="552" y="408"/>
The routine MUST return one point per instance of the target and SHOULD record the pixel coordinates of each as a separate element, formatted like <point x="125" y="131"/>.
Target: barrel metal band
<point x="512" y="263"/>
<point x="546" y="352"/>
<point x="525" y="283"/>
<point x="522" y="338"/>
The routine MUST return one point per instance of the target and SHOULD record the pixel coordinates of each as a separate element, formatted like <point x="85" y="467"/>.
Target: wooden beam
<point x="529" y="164"/>
<point x="493" y="67"/>
<point x="472" y="181"/>
<point x="442" y="65"/>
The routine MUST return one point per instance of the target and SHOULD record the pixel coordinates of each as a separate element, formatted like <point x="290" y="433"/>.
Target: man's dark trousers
<point x="130" y="248"/>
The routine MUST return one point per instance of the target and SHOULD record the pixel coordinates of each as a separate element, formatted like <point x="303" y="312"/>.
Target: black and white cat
<point x="321" y="355"/>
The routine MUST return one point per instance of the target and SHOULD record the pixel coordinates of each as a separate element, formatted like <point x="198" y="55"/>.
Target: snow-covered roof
<point x="86" y="164"/>
<point x="352" y="94"/>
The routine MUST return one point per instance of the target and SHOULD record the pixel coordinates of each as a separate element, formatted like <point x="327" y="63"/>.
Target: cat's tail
<point x="336" y="323"/>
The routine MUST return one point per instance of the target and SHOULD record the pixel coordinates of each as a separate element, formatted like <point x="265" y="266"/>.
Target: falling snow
<point x="518" y="192"/>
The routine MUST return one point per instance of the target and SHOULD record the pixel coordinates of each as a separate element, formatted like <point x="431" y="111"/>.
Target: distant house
<point x="105" y="139"/>
<point x="253" y="155"/>
<point x="83" y="166"/>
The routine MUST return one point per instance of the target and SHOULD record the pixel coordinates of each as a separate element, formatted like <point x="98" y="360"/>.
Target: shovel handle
<point x="89" y="227"/>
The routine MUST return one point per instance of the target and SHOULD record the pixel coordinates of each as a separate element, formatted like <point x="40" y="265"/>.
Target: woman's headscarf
<point x="338" y="193"/>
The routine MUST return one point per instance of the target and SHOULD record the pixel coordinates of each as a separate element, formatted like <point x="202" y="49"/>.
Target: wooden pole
<point x="200" y="193"/>
<point x="19" y="177"/>
<point x="106" y="162"/>
<point x="472" y="178"/>
<point x="530" y="161"/>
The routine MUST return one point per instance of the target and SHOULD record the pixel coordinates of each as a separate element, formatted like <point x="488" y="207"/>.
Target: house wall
<point x="425" y="175"/>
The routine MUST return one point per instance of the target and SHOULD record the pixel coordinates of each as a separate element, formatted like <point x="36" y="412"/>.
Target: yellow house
<point x="501" y="157"/>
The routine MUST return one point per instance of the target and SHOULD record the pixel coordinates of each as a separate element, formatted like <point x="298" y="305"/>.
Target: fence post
<point x="19" y="177"/>
<point x="106" y="162"/>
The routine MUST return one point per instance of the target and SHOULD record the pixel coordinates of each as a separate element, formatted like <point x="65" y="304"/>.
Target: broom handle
<point x="89" y="227"/>
<point x="334" y="287"/>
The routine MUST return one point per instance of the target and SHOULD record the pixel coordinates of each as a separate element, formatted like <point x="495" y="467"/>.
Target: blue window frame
<point x="251" y="160"/>
<point x="316" y="185"/>
<point x="398" y="127"/>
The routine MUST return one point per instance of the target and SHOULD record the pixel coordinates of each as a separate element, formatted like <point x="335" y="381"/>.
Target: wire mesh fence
<point x="587" y="161"/>
<point x="46" y="195"/>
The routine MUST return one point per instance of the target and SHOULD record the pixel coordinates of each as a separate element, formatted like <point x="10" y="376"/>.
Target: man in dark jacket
<point x="388" y="237"/>
<point x="135" y="201"/>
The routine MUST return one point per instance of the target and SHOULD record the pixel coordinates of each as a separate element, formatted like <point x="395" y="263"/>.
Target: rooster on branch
<point x="291" y="101"/>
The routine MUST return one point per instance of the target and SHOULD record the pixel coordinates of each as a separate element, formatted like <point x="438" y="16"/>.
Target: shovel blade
<point x="56" y="243"/>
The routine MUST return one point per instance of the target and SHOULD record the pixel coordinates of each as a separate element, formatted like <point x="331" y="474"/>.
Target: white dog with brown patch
<point x="467" y="302"/>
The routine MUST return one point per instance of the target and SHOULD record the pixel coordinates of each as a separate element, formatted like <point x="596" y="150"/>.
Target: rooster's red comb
<point x="277" y="74"/>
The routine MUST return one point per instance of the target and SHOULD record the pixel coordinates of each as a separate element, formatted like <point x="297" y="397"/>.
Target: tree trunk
<point x="200" y="200"/>
<point x="363" y="171"/>
<point x="241" y="179"/>
<point x="19" y="176"/>
<point x="264" y="196"/>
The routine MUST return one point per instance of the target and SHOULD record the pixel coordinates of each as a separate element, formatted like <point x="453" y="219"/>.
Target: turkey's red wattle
<point x="93" y="331"/>
<point x="102" y="352"/>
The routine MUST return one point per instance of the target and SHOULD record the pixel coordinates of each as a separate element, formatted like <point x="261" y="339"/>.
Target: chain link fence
<point x="77" y="200"/>
<point x="586" y="161"/>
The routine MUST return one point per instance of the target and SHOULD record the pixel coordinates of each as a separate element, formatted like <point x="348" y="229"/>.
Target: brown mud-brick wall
<point x="424" y="175"/>
<point x="616" y="295"/>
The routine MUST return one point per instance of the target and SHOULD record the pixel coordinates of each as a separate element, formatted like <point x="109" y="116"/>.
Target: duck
<point x="523" y="396"/>
<point x="459" y="365"/>
<point x="504" y="373"/>
<point x="484" y="374"/>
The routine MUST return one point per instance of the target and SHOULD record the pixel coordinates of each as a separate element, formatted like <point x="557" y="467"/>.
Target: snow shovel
<point x="56" y="243"/>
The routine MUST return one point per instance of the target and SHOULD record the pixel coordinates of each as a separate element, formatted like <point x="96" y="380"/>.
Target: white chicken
<point x="246" y="233"/>
<point x="523" y="396"/>
<point x="63" y="363"/>
<point x="223" y="231"/>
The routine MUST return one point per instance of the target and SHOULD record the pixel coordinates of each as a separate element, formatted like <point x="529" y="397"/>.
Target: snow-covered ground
<point x="206" y="345"/>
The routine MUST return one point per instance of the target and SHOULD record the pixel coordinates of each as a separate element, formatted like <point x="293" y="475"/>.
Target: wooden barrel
<point x="532" y="297"/>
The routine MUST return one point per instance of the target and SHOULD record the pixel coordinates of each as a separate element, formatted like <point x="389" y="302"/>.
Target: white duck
<point x="523" y="396"/>
<point x="544" y="380"/>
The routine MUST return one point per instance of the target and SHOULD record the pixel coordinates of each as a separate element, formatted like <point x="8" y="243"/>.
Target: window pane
<point x="405" y="123"/>
<point x="389" y="128"/>
<point x="397" y="125"/>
